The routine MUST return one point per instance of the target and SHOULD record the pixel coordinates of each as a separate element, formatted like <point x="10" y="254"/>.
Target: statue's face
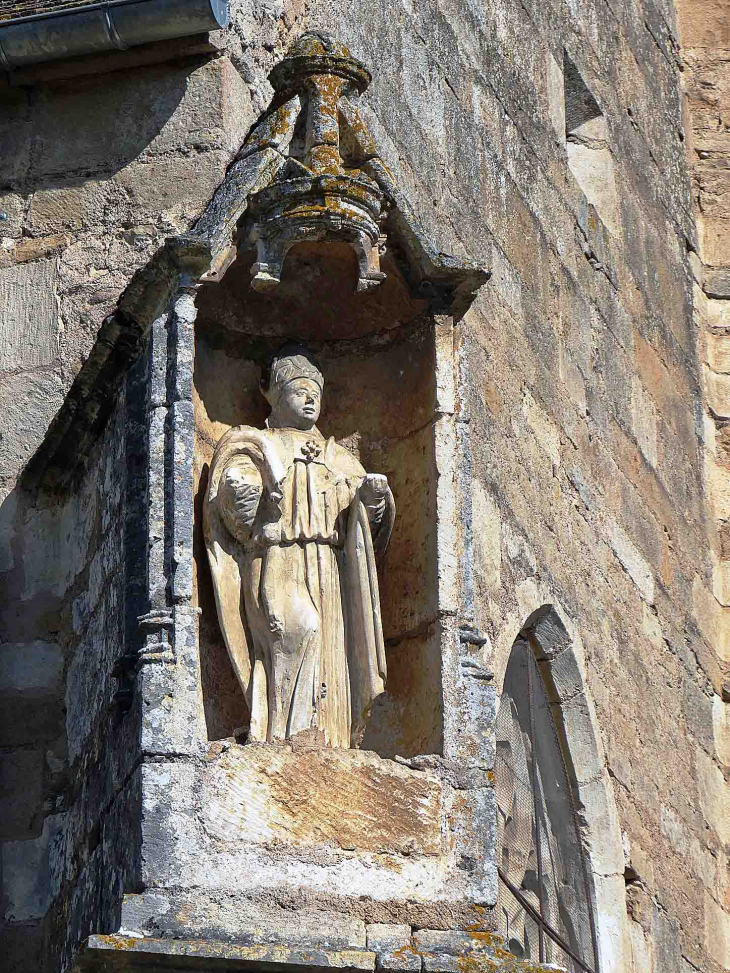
<point x="299" y="404"/>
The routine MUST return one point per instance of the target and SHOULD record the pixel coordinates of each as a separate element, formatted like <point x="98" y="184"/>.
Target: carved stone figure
<point x="293" y="525"/>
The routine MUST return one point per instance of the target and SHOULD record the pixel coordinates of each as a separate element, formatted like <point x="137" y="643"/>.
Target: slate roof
<point x="10" y="9"/>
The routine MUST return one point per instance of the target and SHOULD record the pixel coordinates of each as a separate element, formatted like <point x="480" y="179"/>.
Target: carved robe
<point x="292" y="552"/>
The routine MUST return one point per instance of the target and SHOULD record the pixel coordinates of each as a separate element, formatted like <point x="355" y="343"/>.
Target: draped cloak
<point x="292" y="548"/>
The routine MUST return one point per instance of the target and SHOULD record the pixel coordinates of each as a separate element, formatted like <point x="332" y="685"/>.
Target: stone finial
<point x="316" y="197"/>
<point x="318" y="53"/>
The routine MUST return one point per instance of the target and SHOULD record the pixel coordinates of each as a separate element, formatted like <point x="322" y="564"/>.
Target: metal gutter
<point x="98" y="27"/>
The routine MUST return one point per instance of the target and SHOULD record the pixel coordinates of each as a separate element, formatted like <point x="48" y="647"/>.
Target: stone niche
<point x="377" y="353"/>
<point x="280" y="855"/>
<point x="324" y="826"/>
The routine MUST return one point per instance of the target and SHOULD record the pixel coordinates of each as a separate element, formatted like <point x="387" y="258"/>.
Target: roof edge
<point x="95" y="28"/>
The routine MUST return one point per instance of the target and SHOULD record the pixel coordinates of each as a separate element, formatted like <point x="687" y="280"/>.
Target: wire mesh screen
<point x="543" y="905"/>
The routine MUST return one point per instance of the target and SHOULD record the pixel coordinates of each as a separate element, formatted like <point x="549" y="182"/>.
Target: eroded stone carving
<point x="309" y="171"/>
<point x="293" y="524"/>
<point x="317" y="195"/>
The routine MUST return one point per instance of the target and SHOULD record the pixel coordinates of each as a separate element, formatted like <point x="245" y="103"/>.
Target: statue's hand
<point x="373" y="487"/>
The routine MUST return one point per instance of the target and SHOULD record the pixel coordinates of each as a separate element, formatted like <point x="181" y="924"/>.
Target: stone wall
<point x="582" y="479"/>
<point x="704" y="31"/>
<point x="62" y="616"/>
<point x="101" y="164"/>
<point x="581" y="393"/>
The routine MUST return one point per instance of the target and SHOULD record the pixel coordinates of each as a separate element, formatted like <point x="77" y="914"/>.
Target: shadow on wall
<point x="32" y="661"/>
<point x="69" y="132"/>
<point x="59" y="140"/>
<point x="62" y="621"/>
<point x="90" y="182"/>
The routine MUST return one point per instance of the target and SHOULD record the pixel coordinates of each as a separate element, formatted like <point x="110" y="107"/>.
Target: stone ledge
<point x="197" y="916"/>
<point x="106" y="953"/>
<point x="129" y="954"/>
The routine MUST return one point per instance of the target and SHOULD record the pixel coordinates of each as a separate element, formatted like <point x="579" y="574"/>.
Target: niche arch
<point x="559" y="657"/>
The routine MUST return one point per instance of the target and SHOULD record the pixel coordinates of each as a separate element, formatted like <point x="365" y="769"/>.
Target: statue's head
<point x="293" y="388"/>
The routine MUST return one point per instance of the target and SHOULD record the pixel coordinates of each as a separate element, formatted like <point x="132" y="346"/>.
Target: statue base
<point x="327" y="827"/>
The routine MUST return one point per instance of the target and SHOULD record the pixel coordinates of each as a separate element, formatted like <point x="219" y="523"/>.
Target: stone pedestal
<point x="234" y="837"/>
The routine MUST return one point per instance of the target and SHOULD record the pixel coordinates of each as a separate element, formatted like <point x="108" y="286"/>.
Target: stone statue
<point x="293" y="525"/>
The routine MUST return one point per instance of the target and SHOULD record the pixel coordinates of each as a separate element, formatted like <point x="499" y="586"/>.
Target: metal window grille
<point x="544" y="902"/>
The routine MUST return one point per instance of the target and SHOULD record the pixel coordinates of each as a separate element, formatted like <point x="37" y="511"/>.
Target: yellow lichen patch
<point x="474" y="963"/>
<point x="403" y="952"/>
<point x="119" y="942"/>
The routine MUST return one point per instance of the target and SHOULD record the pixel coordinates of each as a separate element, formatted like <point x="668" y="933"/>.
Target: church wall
<point x="580" y="385"/>
<point x="578" y="397"/>
<point x="63" y="625"/>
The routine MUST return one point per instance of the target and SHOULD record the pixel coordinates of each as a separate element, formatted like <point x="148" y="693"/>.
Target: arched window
<point x="544" y="902"/>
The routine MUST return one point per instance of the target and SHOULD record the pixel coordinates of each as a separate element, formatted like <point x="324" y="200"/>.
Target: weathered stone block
<point x="452" y="942"/>
<point x="383" y="937"/>
<point x="586" y="751"/>
<point x="403" y="959"/>
<point x="28" y="402"/>
<point x="72" y="207"/>
<point x="11" y="224"/>
<point x="545" y="431"/>
<point x="713" y="793"/>
<point x="408" y="600"/>
<point x="704" y="25"/>
<point x="632" y="562"/>
<point x="27" y="883"/>
<point x="348" y="799"/>
<point x="715" y="232"/>
<point x="606" y="854"/>
<point x="333" y="822"/>
<point x="698" y="714"/>
<point x="644" y="421"/>
<point x="23" y="946"/>
<point x="21" y="787"/>
<point x="27" y="718"/>
<point x="718" y="353"/>
<point x="195" y="915"/>
<point x="718" y="393"/>
<point x="717" y="930"/>
<point x="442" y="963"/>
<point x="14" y="137"/>
<point x="29" y="335"/>
<point x="667" y="950"/>
<point x="563" y="673"/>
<point x="127" y="953"/>
<point x="717" y="284"/>
<point x="36" y="248"/>
<point x="35" y="667"/>
<point x="181" y="184"/>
